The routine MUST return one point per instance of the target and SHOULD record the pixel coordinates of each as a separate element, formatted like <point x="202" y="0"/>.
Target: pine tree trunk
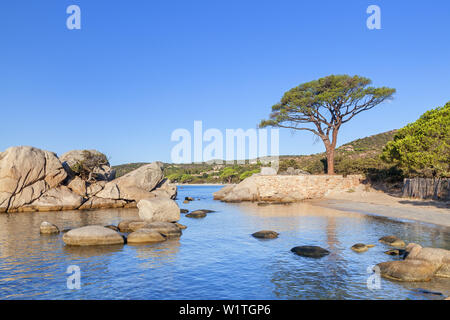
<point x="330" y="161"/>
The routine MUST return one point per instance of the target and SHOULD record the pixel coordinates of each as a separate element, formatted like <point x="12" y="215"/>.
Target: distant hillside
<point x="359" y="156"/>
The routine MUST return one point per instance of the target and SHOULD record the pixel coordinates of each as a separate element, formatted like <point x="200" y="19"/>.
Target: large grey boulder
<point x="92" y="235"/>
<point x="440" y="258"/>
<point x="166" y="190"/>
<point x="145" y="236"/>
<point x="159" y="209"/>
<point x="56" y="199"/>
<point x="101" y="203"/>
<point x="25" y="174"/>
<point x="135" y="185"/>
<point x="407" y="270"/>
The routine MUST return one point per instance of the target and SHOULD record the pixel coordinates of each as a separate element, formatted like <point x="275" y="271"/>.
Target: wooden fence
<point x="425" y="188"/>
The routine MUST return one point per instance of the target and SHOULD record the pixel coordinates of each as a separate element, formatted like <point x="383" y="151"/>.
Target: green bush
<point x="422" y="148"/>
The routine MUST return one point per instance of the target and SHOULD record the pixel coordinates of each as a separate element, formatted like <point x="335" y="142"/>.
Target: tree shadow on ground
<point x="427" y="203"/>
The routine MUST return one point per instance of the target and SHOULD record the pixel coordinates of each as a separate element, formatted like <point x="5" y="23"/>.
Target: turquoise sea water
<point x="216" y="257"/>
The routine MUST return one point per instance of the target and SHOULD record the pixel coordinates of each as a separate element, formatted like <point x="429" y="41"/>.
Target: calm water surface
<point x="216" y="258"/>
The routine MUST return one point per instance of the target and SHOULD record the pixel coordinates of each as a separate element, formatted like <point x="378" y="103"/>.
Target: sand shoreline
<point x="381" y="204"/>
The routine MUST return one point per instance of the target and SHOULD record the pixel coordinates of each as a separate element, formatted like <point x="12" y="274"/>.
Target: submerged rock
<point x="184" y="210"/>
<point x="92" y="235"/>
<point x="159" y="209"/>
<point x="48" y="228"/>
<point x="189" y="199"/>
<point x="145" y="235"/>
<point x="196" y="214"/>
<point x="203" y="211"/>
<point x="395" y="252"/>
<point x="310" y="251"/>
<point x="392" y="241"/>
<point x="265" y="234"/>
<point x="361" y="247"/>
<point x="181" y="226"/>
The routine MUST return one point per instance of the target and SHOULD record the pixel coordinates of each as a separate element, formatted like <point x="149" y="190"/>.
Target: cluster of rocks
<point x="418" y="264"/>
<point x="157" y="223"/>
<point x="32" y="179"/>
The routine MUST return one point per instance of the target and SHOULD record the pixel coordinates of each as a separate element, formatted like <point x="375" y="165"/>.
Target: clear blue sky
<point x="137" y="70"/>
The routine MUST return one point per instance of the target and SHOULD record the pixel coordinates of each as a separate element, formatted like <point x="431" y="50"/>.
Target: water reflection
<point x="216" y="257"/>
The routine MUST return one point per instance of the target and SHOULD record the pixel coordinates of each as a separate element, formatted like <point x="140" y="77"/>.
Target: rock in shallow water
<point x="48" y="228"/>
<point x="361" y="247"/>
<point x="170" y="230"/>
<point x="310" y="251"/>
<point x="159" y="209"/>
<point x="392" y="241"/>
<point x="407" y="270"/>
<point x="145" y="235"/>
<point x="92" y="235"/>
<point x="196" y="214"/>
<point x="124" y="226"/>
<point x="265" y="234"/>
<point x="395" y="252"/>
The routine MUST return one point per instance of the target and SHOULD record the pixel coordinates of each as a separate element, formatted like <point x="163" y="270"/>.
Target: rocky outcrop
<point x="56" y="199"/>
<point x="159" y="209"/>
<point x="94" y="161"/>
<point x="36" y="180"/>
<point x="135" y="185"/>
<point x="420" y="264"/>
<point x="440" y="258"/>
<point x="409" y="271"/>
<point x="92" y="235"/>
<point x="282" y="188"/>
<point x="26" y="173"/>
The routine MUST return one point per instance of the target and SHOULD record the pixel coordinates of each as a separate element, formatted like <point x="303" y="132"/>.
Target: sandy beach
<point x="379" y="203"/>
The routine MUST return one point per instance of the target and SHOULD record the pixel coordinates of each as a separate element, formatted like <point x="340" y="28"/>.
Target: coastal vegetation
<point x="422" y="148"/>
<point x="361" y="156"/>
<point x="419" y="149"/>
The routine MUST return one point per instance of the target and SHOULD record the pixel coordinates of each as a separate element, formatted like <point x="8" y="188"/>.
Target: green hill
<point x="361" y="156"/>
